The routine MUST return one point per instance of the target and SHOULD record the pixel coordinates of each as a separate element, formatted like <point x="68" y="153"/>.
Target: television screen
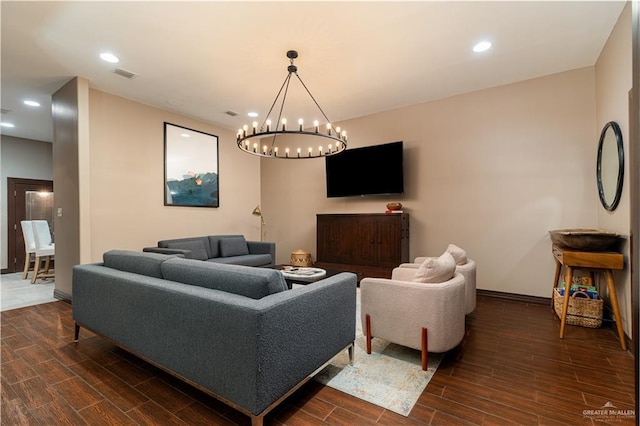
<point x="370" y="170"/>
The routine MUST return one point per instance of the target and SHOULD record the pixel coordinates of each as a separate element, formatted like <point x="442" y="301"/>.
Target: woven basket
<point x="582" y="311"/>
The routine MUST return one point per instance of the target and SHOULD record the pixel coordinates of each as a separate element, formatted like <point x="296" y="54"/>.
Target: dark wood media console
<point x="370" y="245"/>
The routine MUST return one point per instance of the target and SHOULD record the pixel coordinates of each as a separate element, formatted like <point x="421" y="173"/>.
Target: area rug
<point x="390" y="377"/>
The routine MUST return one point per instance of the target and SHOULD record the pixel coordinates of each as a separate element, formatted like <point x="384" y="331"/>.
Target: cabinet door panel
<point x="388" y="234"/>
<point x="366" y="241"/>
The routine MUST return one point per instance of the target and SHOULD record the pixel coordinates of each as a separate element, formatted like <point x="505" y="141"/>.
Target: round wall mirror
<point x="610" y="165"/>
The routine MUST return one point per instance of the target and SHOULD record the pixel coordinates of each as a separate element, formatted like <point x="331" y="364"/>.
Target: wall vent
<point x="231" y="113"/>
<point x="124" y="73"/>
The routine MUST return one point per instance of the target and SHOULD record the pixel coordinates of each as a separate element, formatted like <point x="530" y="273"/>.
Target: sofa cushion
<point x="459" y="255"/>
<point x="255" y="283"/>
<point x="149" y="264"/>
<point x="436" y="269"/>
<point x="167" y="243"/>
<point x="246" y="260"/>
<point x="233" y="246"/>
<point x="198" y="251"/>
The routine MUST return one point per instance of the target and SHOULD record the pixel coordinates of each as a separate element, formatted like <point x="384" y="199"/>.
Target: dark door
<point x="16" y="212"/>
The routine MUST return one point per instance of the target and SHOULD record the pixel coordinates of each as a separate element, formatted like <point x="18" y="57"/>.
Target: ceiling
<point x="201" y="59"/>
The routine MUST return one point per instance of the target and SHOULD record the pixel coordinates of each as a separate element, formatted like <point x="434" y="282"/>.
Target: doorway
<point x="18" y="192"/>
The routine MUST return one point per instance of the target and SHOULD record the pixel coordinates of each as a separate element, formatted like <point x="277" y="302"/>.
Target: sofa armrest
<point x="185" y="253"/>
<point x="263" y="247"/>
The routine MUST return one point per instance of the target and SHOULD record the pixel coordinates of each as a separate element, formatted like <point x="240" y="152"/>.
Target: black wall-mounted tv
<point x="370" y="170"/>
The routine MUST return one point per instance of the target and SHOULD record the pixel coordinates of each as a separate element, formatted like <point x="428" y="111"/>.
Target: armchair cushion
<point x="233" y="246"/>
<point x="196" y="247"/>
<point x="436" y="269"/>
<point x="458" y="254"/>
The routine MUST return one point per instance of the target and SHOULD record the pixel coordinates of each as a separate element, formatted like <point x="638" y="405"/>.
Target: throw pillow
<point x="436" y="269"/>
<point x="458" y="254"/>
<point x="233" y="246"/>
<point x="196" y="247"/>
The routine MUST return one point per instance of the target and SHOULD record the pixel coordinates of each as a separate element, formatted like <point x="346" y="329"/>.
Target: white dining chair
<point x="45" y="250"/>
<point x="29" y="246"/>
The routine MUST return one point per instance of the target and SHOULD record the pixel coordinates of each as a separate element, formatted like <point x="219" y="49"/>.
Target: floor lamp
<point x="258" y="212"/>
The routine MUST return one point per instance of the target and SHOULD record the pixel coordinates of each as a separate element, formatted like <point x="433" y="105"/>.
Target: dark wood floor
<point x="511" y="369"/>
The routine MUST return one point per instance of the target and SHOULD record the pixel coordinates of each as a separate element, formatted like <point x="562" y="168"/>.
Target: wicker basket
<point x="582" y="310"/>
<point x="300" y="258"/>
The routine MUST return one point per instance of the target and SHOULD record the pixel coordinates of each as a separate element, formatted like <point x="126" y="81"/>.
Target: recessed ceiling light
<point x="252" y="114"/>
<point x="32" y="103"/>
<point x="482" y="46"/>
<point x="185" y="135"/>
<point x="5" y="124"/>
<point x="109" y="57"/>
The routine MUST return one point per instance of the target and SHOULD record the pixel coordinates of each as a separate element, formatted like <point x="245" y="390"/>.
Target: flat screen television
<point x="370" y="170"/>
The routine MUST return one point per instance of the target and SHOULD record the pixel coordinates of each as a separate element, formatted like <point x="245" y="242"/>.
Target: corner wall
<point x="491" y="171"/>
<point x="613" y="82"/>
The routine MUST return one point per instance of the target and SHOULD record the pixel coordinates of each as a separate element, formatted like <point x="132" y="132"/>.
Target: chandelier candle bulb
<point x="268" y="125"/>
<point x="338" y="130"/>
<point x="255" y="147"/>
<point x="300" y="123"/>
<point x="286" y="152"/>
<point x="330" y="147"/>
<point x="255" y="127"/>
<point x="328" y="128"/>
<point x="284" y="124"/>
<point x="315" y="124"/>
<point x="275" y="151"/>
<point x="299" y="150"/>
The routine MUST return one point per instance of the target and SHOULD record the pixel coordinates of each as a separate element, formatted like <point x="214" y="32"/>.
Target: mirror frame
<point x="618" y="134"/>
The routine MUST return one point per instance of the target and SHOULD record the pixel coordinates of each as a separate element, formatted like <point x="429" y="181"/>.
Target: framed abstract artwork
<point x="191" y="177"/>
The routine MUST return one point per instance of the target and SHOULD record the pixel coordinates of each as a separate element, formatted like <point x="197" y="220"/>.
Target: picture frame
<point x="191" y="167"/>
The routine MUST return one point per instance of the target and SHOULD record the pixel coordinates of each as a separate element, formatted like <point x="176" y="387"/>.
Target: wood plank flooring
<point x="511" y="369"/>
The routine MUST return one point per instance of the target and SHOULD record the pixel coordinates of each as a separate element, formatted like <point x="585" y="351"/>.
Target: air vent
<point x="231" y="113"/>
<point x="124" y="73"/>
<point x="4" y="111"/>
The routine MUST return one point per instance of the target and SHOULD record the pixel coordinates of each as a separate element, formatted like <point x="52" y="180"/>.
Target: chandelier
<point x="273" y="139"/>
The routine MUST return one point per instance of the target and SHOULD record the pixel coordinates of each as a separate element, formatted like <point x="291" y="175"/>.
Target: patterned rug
<point x="390" y="377"/>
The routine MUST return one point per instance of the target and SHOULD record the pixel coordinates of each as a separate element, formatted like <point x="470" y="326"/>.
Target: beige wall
<point x="613" y="82"/>
<point x="492" y="171"/>
<point x="127" y="174"/>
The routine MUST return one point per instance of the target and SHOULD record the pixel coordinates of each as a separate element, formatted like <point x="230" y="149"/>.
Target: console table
<point x="367" y="244"/>
<point x="604" y="262"/>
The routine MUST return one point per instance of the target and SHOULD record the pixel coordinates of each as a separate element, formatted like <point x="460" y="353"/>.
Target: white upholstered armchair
<point x="465" y="266"/>
<point x="425" y="316"/>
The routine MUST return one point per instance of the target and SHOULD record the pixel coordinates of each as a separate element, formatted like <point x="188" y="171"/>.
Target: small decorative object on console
<point x="394" y="206"/>
<point x="300" y="258"/>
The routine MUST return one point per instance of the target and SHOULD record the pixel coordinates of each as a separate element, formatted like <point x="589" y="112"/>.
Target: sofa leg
<point x="425" y="353"/>
<point x="76" y="332"/>
<point x="350" y="350"/>
<point x="368" y="333"/>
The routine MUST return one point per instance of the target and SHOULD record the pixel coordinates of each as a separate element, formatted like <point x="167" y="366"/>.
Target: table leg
<point x="555" y="279"/>
<point x="611" y="286"/>
<point x="565" y="306"/>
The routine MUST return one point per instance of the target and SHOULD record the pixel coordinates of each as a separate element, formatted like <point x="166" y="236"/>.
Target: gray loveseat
<point x="235" y="332"/>
<point x="232" y="249"/>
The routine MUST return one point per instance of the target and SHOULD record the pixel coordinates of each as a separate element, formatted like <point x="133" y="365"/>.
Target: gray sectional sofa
<point x="231" y="249"/>
<point x="235" y="332"/>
